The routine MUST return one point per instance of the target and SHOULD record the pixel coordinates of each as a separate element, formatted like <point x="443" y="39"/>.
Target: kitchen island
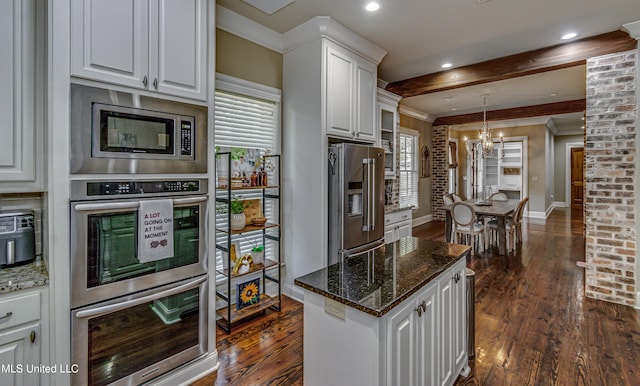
<point x="396" y="316"/>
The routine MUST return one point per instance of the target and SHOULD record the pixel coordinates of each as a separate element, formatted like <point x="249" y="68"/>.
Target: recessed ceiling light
<point x="372" y="6"/>
<point x="454" y="109"/>
<point x="569" y="35"/>
<point x="448" y="99"/>
<point x="553" y="94"/>
<point x="446" y="65"/>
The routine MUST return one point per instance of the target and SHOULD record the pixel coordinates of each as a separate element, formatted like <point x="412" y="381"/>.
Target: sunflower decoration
<point x="249" y="293"/>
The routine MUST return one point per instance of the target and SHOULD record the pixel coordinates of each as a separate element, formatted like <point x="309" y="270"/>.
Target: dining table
<point x="500" y="210"/>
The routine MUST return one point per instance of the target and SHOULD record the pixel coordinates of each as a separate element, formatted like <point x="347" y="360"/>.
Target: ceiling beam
<point x="508" y="67"/>
<point x="515" y="113"/>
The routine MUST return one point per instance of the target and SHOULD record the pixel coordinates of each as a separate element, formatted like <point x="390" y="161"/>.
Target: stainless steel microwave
<point x="115" y="132"/>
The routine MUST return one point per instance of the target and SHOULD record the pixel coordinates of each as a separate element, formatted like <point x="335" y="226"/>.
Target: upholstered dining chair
<point x="499" y="196"/>
<point x="467" y="230"/>
<point x="447" y="199"/>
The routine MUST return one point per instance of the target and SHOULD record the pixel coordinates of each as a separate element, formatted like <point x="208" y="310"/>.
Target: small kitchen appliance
<point x="17" y="239"/>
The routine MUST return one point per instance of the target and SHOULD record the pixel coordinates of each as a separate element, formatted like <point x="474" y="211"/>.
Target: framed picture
<point x="252" y="209"/>
<point x="248" y="293"/>
<point x="243" y="162"/>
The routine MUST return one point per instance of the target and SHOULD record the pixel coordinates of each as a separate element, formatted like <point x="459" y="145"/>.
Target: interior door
<point x="577" y="177"/>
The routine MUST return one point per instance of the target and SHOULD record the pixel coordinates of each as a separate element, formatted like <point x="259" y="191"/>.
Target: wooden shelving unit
<point x="269" y="272"/>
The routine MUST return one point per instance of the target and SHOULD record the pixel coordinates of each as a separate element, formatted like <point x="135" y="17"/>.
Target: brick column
<point x="610" y="177"/>
<point x="440" y="170"/>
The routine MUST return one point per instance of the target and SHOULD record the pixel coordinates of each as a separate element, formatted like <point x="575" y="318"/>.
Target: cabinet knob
<point x="6" y="316"/>
<point x="155" y="83"/>
<point x="419" y="310"/>
<point x="145" y="81"/>
<point x="32" y="337"/>
<point x="424" y="306"/>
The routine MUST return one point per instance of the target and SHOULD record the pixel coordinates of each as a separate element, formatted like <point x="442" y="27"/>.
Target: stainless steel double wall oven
<point x="132" y="321"/>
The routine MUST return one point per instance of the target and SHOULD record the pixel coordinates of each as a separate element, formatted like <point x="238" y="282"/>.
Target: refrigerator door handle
<point x="372" y="196"/>
<point x="366" y="222"/>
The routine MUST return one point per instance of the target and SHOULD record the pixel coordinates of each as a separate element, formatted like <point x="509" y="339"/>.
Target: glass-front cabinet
<point x="387" y="124"/>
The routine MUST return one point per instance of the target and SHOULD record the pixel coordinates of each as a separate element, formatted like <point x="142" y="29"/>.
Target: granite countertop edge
<point x="401" y="298"/>
<point x="397" y="209"/>
<point x="25" y="276"/>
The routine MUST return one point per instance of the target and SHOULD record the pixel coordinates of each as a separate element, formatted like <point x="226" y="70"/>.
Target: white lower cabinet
<point x="20" y="338"/>
<point x="453" y="321"/>
<point x="427" y="334"/>
<point x="420" y="342"/>
<point x="397" y="225"/>
<point x="20" y="356"/>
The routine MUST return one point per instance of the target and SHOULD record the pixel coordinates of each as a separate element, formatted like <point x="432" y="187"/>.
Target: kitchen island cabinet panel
<point x="395" y="317"/>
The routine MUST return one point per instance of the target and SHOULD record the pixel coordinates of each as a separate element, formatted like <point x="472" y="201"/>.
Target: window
<point x="247" y="115"/>
<point x="408" y="168"/>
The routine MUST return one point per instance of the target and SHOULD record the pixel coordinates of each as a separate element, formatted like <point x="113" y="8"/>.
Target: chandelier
<point x="485" y="145"/>
<point x="485" y="134"/>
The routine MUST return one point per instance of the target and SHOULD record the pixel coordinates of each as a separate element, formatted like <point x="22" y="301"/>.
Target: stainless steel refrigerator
<point x="356" y="200"/>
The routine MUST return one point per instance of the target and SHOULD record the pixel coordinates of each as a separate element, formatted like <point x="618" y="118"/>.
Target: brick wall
<point x="440" y="171"/>
<point x="610" y="177"/>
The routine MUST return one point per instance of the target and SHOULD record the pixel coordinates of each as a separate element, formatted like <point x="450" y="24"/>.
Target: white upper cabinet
<point x="350" y="94"/>
<point x="387" y="123"/>
<point x="21" y="148"/>
<point x="155" y="45"/>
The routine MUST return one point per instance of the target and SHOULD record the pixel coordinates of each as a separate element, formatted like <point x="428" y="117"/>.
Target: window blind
<point x="252" y="122"/>
<point x="408" y="191"/>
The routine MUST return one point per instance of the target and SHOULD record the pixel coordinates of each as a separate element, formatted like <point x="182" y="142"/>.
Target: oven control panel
<point x="123" y="188"/>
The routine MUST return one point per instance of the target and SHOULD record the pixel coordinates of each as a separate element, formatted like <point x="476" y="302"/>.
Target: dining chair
<point x="466" y="226"/>
<point x="447" y="199"/>
<point x="513" y="226"/>
<point x="456" y="198"/>
<point x="499" y="196"/>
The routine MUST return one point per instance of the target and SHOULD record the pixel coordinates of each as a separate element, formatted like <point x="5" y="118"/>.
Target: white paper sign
<point x="155" y="230"/>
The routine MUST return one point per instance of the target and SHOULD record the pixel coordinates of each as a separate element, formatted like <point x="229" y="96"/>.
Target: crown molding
<point x="633" y="29"/>
<point x="325" y="26"/>
<point x="236" y="24"/>
<point x="408" y="111"/>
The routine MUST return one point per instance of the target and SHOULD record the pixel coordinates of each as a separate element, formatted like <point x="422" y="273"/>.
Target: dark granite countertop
<point x="377" y="285"/>
<point x="20" y="277"/>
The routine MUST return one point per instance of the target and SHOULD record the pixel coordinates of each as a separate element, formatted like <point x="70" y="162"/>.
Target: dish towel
<point x="155" y="230"/>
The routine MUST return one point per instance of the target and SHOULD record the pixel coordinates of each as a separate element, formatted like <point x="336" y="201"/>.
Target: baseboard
<point x="422" y="220"/>
<point x="542" y="215"/>
<point x="294" y="292"/>
<point x="560" y="204"/>
<point x="532" y="214"/>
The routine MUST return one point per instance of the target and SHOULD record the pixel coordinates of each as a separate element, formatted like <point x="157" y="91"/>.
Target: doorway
<point x="577" y="178"/>
<point x="574" y="176"/>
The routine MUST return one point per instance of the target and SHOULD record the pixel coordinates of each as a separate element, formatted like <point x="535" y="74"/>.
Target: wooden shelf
<point x="250" y="228"/>
<point x="266" y="301"/>
<point x="255" y="268"/>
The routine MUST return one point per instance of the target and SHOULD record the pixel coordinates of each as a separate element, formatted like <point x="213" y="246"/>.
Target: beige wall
<point x="246" y="60"/>
<point x="536" y="161"/>
<point x="424" y="184"/>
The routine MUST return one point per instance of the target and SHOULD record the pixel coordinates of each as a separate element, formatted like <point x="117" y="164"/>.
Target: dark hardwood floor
<point x="533" y="324"/>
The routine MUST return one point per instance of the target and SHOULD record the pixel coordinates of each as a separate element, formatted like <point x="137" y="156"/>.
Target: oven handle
<point x="93" y="312"/>
<point x="132" y="205"/>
